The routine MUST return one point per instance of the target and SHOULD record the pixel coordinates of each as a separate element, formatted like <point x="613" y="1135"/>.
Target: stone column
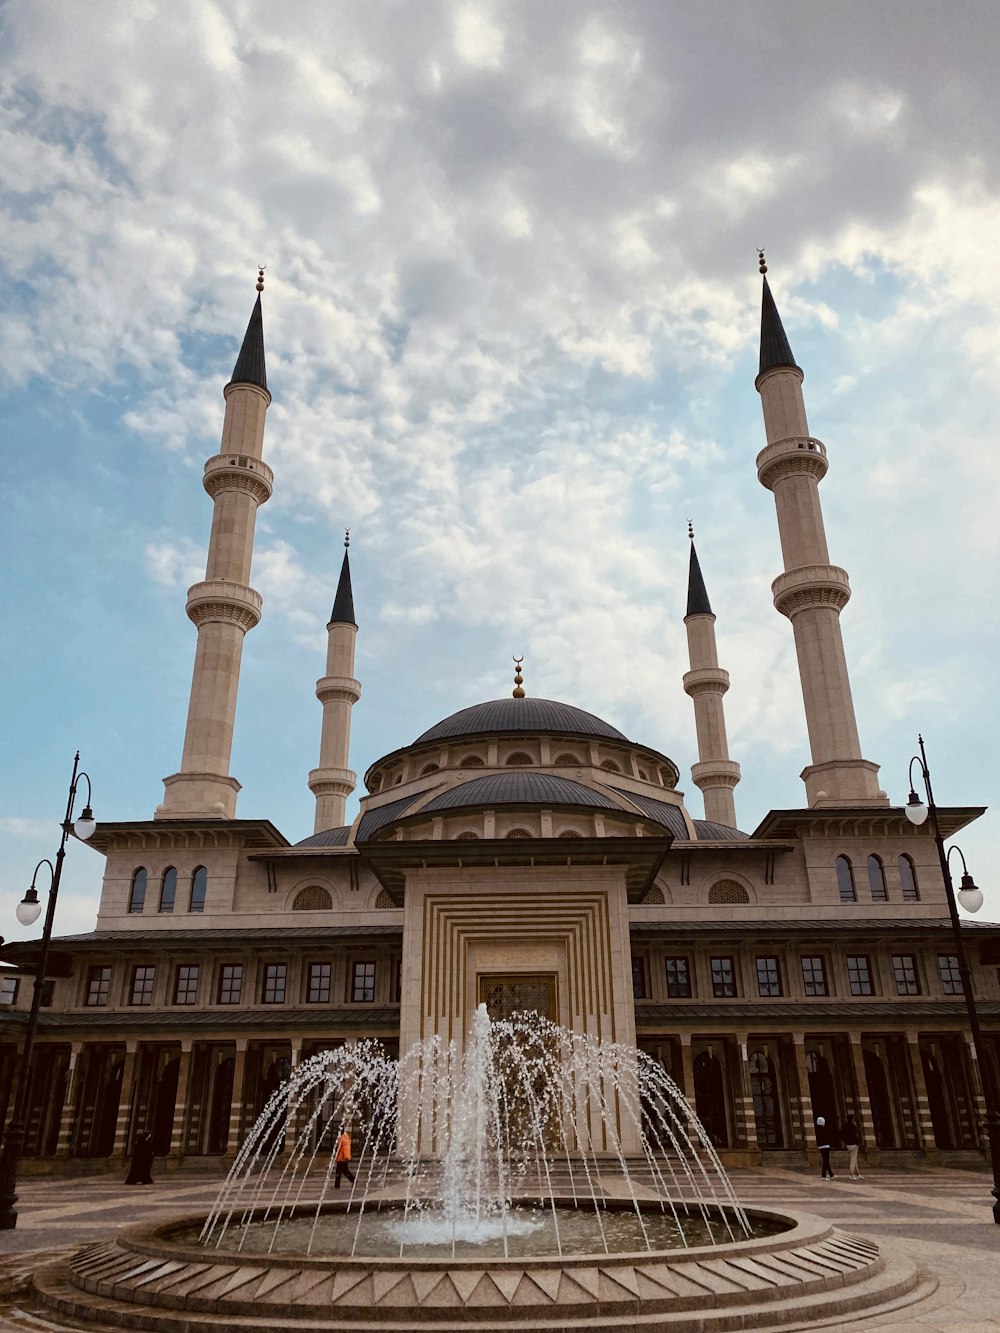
<point x="975" y="1078"/>
<point x="925" y="1125"/>
<point x="126" y="1100"/>
<point x="236" y="1105"/>
<point x="68" y="1116"/>
<point x="183" y="1101"/>
<point x="862" y="1100"/>
<point x="802" y="1101"/>
<point x="745" y="1119"/>
<point x="687" y="1068"/>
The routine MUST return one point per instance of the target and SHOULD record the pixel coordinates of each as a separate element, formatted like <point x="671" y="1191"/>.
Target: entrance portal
<point x="525" y="993"/>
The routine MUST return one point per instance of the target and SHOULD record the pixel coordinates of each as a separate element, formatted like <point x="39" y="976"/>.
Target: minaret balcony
<point x="795" y="455"/>
<point x="706" y="680"/>
<point x="332" y="781"/>
<point x="222" y="602"/>
<point x="338" y="689"/>
<point x="716" y="773"/>
<point x="238" y="472"/>
<point x="809" y="587"/>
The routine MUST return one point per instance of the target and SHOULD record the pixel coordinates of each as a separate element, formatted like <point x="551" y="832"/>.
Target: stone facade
<point x="518" y="847"/>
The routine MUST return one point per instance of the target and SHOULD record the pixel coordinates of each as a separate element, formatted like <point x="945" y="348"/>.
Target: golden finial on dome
<point x="518" y="678"/>
<point x="260" y="276"/>
<point x="760" y="260"/>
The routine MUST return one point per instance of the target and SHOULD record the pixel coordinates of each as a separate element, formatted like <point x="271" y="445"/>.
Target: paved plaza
<point x="940" y="1218"/>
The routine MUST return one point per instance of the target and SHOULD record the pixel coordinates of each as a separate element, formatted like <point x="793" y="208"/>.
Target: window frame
<point x="769" y="987"/>
<point x="854" y="977"/>
<point x="274" y="982"/>
<point x="137" y="895"/>
<point x="910" y="892"/>
<point x="723" y="988"/>
<point x="199" y="889"/>
<point x="325" y="984"/>
<point x="638" y="977"/>
<point x="230" y="973"/>
<point x="189" y="984"/>
<point x="98" y="998"/>
<point x="9" y="986"/>
<point x="679" y="984"/>
<point x="950" y="976"/>
<point x="878" y="886"/>
<point x="368" y="991"/>
<point x="168" y="904"/>
<point x="141" y="989"/>
<point x="842" y="883"/>
<point x="815" y="963"/>
<point x="903" y="963"/>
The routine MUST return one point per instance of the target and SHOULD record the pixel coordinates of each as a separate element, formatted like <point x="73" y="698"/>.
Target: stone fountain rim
<point x="152" y="1238"/>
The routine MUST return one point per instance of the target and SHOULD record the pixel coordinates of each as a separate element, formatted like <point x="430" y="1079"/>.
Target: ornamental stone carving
<point x="343" y="689"/>
<point x="706" y="680"/>
<point x="223" y="602"/>
<point x="790" y="457"/>
<point x="238" y="472"/>
<point x="811" y="586"/>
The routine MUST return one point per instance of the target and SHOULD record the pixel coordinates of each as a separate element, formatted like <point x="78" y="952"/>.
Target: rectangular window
<point x="678" y="979"/>
<point x="814" y="975"/>
<point x="859" y="974"/>
<point x="186" y="984"/>
<point x="638" y="979"/>
<point x="904" y="969"/>
<point x="363" y="983"/>
<point x="141" y="991"/>
<point x="230" y="983"/>
<point x="397" y="993"/>
<point x="768" y="976"/>
<point x="8" y="990"/>
<point x="273" y="989"/>
<point x="723" y="978"/>
<point x="98" y="986"/>
<point x="318" y="983"/>
<point x="951" y="978"/>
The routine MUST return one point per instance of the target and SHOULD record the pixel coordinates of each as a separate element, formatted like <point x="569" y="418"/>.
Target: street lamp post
<point x="28" y="910"/>
<point x="971" y="899"/>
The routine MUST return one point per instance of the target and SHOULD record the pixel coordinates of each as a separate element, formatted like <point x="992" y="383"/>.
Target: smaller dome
<point x="528" y="715"/>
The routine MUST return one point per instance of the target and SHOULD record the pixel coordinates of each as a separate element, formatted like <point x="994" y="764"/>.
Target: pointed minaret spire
<point x="332" y="782"/>
<point x="706" y="683"/>
<point x="698" y="603"/>
<point x="343" y="602"/>
<point x="250" y="368"/>
<point x="224" y="606"/>
<point x="811" y="592"/>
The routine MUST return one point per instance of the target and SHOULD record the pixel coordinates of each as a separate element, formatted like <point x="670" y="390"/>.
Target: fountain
<point x="530" y="1176"/>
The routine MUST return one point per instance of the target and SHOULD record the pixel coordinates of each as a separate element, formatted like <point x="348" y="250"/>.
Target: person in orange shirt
<point x="343" y="1157"/>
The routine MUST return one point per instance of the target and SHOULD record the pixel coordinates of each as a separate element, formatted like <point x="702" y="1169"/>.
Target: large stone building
<point x="521" y="853"/>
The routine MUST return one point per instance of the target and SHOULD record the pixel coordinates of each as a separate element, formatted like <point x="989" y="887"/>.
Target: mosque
<point x="524" y="854"/>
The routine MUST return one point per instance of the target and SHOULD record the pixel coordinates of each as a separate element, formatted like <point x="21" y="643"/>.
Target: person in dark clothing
<point x="824" y="1145"/>
<point x="850" y="1138"/>
<point x="142" y="1161"/>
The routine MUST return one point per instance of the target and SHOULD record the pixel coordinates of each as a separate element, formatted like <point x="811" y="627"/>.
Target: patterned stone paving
<point x="939" y="1218"/>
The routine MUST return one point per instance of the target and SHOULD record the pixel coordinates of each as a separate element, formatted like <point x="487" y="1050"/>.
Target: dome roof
<point x="518" y="789"/>
<point x="530" y="715"/>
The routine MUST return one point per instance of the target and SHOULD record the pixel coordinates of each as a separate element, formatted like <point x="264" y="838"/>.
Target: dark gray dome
<point x="331" y="837"/>
<point x="518" y="789"/>
<point x="537" y="715"/>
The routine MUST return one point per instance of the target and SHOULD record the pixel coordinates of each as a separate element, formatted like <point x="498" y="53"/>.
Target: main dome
<point x="506" y="715"/>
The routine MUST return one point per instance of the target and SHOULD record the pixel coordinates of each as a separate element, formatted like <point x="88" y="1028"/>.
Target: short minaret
<point x="811" y="591"/>
<point x="715" y="773"/>
<point x="224" y="606"/>
<point x="338" y="692"/>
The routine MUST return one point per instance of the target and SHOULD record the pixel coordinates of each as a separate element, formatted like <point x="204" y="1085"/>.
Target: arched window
<point x="398" y="779"/>
<point x="845" y="880"/>
<point x="610" y="765"/>
<point x="199" y="884"/>
<point x="519" y="833"/>
<point x="728" y="891"/>
<point x="428" y="768"/>
<point x="312" y="899"/>
<point x="472" y="761"/>
<point x="375" y="783"/>
<point x="137" y="893"/>
<point x="908" y="879"/>
<point x="468" y="836"/>
<point x="876" y="880"/>
<point x="519" y="760"/>
<point x="644" y="776"/>
<point x="168" y="889"/>
<point x="570" y="833"/>
<point x="566" y="761"/>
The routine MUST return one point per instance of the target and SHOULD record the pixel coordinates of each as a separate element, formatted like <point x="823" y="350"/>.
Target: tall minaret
<point x="715" y="773"/>
<point x="224" y="606"/>
<point x="338" y="692"/>
<point x="811" y="591"/>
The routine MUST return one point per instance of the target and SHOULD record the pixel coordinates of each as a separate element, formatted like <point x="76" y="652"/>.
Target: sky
<point x="511" y="315"/>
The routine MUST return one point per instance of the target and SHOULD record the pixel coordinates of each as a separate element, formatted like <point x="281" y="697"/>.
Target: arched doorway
<point x="165" y="1105"/>
<point x="221" y="1106"/>
<point x="710" y="1097"/>
<point x="937" y="1100"/>
<point x="766" y="1100"/>
<point x="822" y="1093"/>
<point x="106" y="1117"/>
<point x="881" y="1102"/>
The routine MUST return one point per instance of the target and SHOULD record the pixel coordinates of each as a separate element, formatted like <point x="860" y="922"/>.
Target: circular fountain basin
<point x="154" y="1278"/>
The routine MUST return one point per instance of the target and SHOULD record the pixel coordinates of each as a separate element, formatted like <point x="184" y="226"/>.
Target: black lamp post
<point x="28" y="911"/>
<point x="971" y="899"/>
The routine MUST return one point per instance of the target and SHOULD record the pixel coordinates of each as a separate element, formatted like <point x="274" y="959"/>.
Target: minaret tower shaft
<point x="224" y="606"/>
<point x="715" y="773"/>
<point x="332" y="782"/>
<point x="811" y="591"/>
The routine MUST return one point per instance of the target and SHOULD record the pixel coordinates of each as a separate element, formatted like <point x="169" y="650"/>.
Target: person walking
<point x="142" y="1161"/>
<point x="850" y="1138"/>
<point x="343" y="1158"/>
<point x="824" y="1145"/>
